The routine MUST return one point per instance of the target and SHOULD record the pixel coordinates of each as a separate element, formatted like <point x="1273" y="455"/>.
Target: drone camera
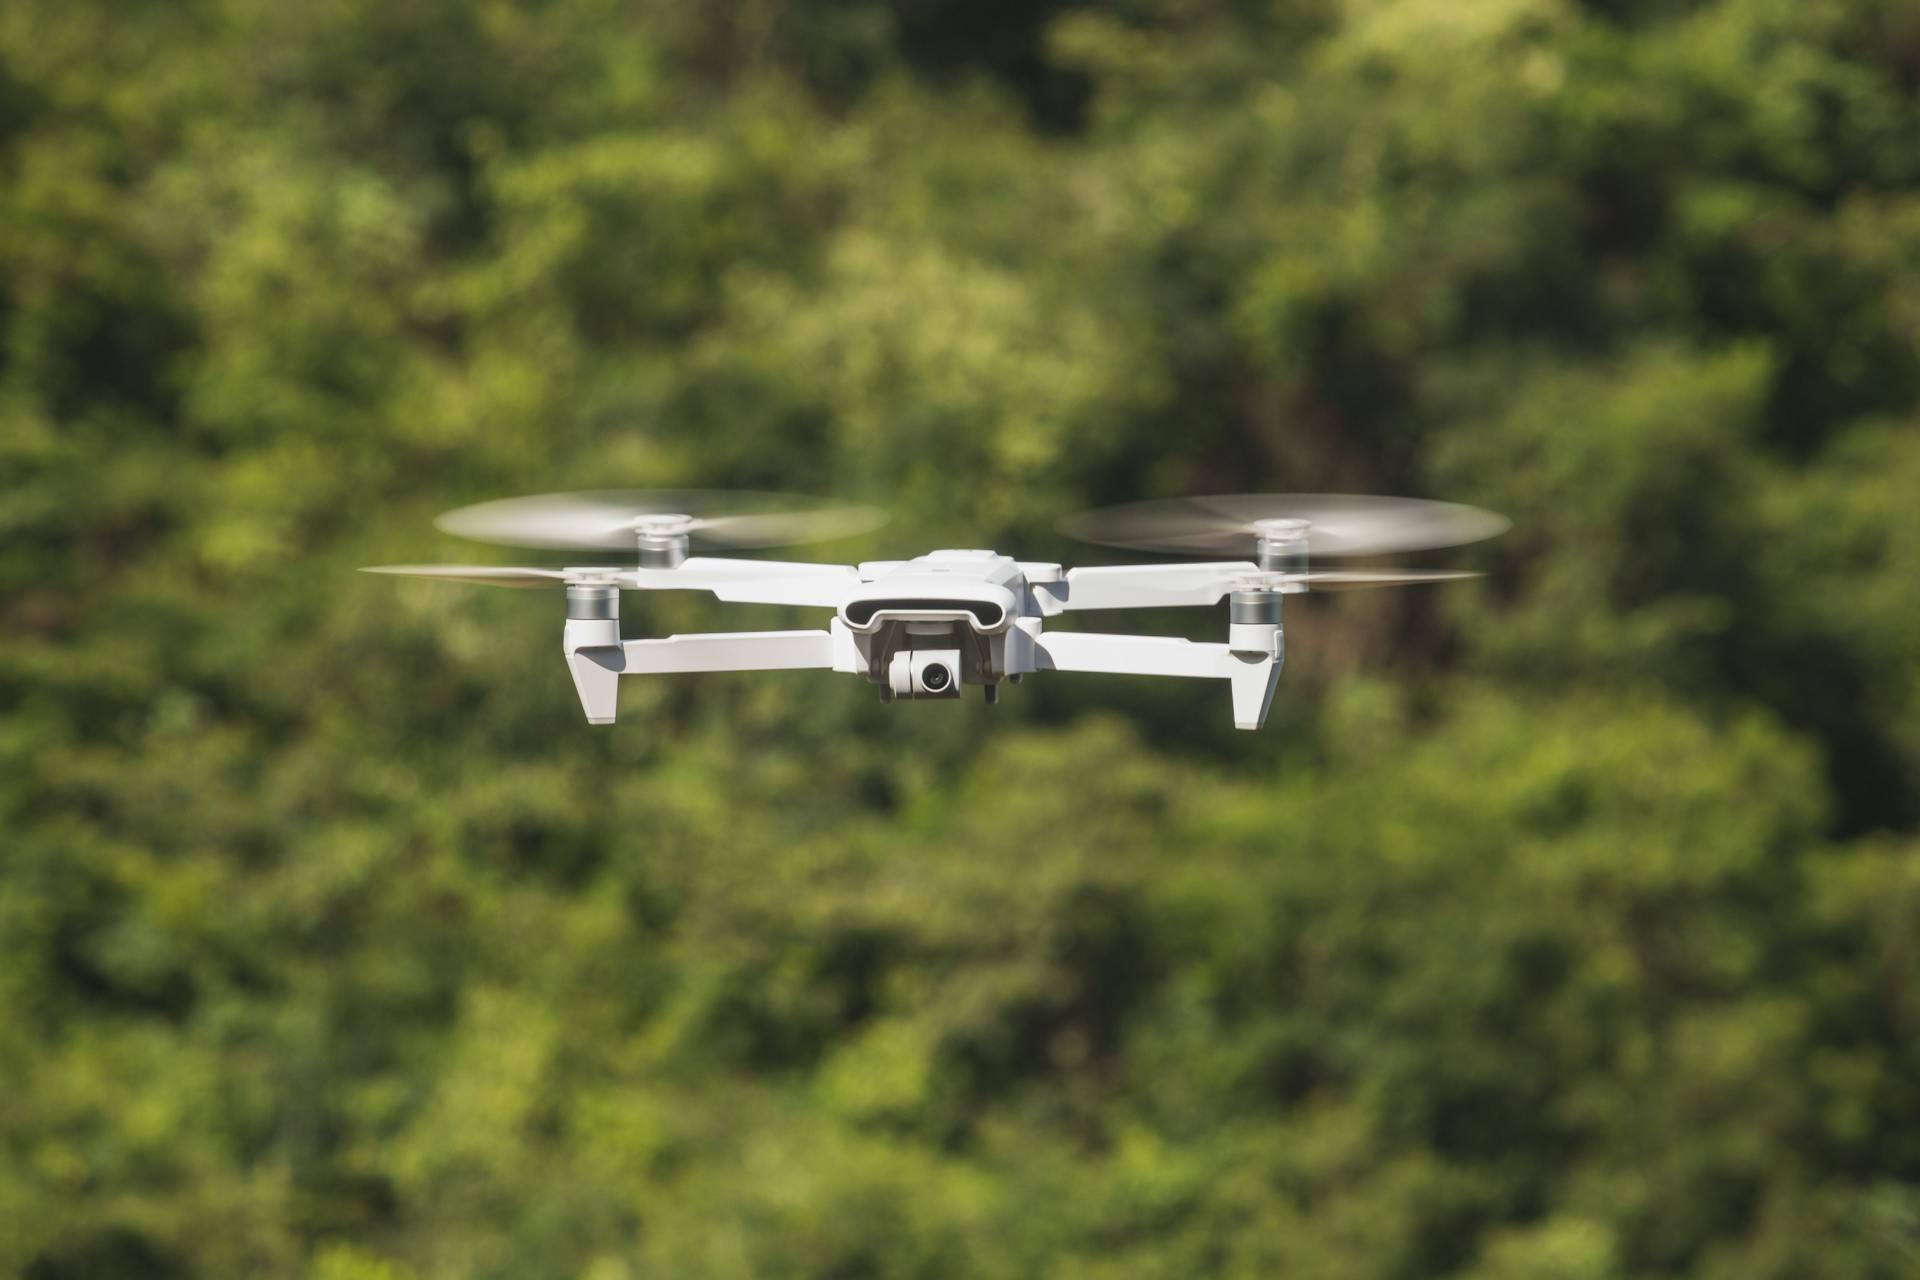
<point x="935" y="673"/>
<point x="926" y="673"/>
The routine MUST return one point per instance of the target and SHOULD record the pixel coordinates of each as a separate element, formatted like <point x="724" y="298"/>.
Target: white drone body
<point x="929" y="627"/>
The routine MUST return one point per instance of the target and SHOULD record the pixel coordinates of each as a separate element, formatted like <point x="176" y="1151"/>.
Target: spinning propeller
<point x="485" y="574"/>
<point x="663" y="525"/>
<point x="1284" y="530"/>
<point x="612" y="519"/>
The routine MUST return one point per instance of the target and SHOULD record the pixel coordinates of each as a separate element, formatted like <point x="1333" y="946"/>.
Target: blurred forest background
<point x="1563" y="924"/>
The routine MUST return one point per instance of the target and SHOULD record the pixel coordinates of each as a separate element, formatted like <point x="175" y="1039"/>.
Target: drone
<point x="928" y="627"/>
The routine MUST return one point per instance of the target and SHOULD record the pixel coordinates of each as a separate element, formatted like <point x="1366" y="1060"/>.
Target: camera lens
<point x="936" y="677"/>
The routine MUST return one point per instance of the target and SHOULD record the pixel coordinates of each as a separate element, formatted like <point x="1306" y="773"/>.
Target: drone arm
<point x="1142" y="586"/>
<point x="751" y="581"/>
<point x="1253" y="674"/>
<point x="597" y="667"/>
<point x="729" y="651"/>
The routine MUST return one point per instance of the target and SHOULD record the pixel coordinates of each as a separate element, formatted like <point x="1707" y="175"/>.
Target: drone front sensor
<point x="930" y="626"/>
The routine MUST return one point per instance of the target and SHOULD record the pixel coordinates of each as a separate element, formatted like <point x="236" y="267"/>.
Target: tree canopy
<point x="1558" y="925"/>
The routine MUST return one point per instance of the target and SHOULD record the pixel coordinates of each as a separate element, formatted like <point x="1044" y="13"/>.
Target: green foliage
<point x="1559" y="926"/>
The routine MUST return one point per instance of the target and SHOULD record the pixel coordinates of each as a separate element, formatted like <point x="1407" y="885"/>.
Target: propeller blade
<point x="485" y="574"/>
<point x="1336" y="579"/>
<point x="1361" y="579"/>
<point x="610" y="519"/>
<point x="1340" y="524"/>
